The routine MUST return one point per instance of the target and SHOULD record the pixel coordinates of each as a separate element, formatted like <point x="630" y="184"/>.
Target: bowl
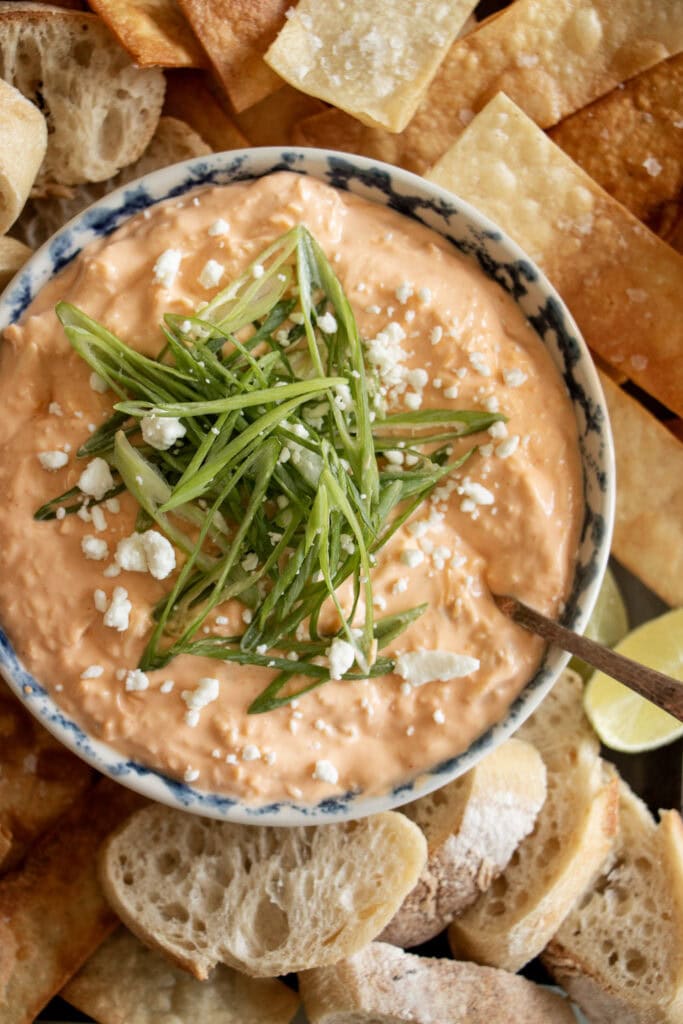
<point x="478" y="240"/>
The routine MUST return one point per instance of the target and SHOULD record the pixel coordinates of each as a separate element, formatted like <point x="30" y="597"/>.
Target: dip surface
<point x="477" y="352"/>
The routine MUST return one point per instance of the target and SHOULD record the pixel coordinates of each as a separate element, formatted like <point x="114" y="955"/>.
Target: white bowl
<point x="478" y="240"/>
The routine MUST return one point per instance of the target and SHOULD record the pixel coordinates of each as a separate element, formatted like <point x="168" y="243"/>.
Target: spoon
<point x="660" y="689"/>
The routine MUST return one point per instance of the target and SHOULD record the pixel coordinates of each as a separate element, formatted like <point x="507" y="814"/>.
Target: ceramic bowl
<point x="478" y="240"/>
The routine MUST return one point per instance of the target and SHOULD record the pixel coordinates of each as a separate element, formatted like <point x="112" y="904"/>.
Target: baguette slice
<point x="552" y="868"/>
<point x="13" y="255"/>
<point x="265" y="901"/>
<point x="23" y="140"/>
<point x="619" y="954"/>
<point x="172" y="141"/>
<point x="384" y="985"/>
<point x="126" y="983"/>
<point x="101" y="110"/>
<point x="472" y="826"/>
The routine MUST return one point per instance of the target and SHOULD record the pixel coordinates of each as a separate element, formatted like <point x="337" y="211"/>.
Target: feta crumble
<point x="92" y="672"/>
<point x="251" y="752"/>
<point x="219" y="227"/>
<point x="340" y="657"/>
<point x="53" y="460"/>
<point x="325" y="771"/>
<point x="212" y="272"/>
<point x="514" y="378"/>
<point x="117" y="615"/>
<point x="96" y="479"/>
<point x="327" y="323"/>
<point x="206" y="692"/>
<point x="98" y="383"/>
<point x="166" y="267"/>
<point x="420" y="667"/>
<point x="161" y="432"/>
<point x="94" y="548"/>
<point x="146" y="552"/>
<point x="136" y="681"/>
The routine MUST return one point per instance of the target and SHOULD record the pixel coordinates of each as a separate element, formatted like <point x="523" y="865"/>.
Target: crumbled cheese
<point x="514" y="378"/>
<point x="98" y="383"/>
<point x="162" y="432"/>
<point x="498" y="429"/>
<point x="92" y="672"/>
<point x="191" y="774"/>
<point x="325" y="771"/>
<point x="257" y="271"/>
<point x="206" y="692"/>
<point x="130" y="554"/>
<point x="340" y="657"/>
<point x="424" y="295"/>
<point x="211" y="274"/>
<point x="94" y="548"/>
<point x="413" y="401"/>
<point x="60" y="513"/>
<point x="412" y="557"/>
<point x="53" y="460"/>
<point x="99" y="520"/>
<point x="327" y="323"/>
<point x="167" y="266"/>
<point x="436" y="335"/>
<point x="159" y="554"/>
<point x="55" y="409"/>
<point x="401" y="585"/>
<point x="136" y="681"/>
<point x="417" y="378"/>
<point x="477" y="493"/>
<point x="251" y="752"/>
<point x="96" y="479"/>
<point x="452" y="392"/>
<point x="250" y="561"/>
<point x="101" y="600"/>
<point x="167" y="686"/>
<point x="404" y="292"/>
<point x="507" y="447"/>
<point x="219" y="227"/>
<point x="439" y="716"/>
<point x="420" y="667"/>
<point x="478" y="363"/>
<point x="652" y="166"/>
<point x="117" y="615"/>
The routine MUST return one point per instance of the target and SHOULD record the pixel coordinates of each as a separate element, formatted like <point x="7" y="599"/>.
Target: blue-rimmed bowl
<point x="478" y="240"/>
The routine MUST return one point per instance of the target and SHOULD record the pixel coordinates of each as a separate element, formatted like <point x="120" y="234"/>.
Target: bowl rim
<point x="174" y="181"/>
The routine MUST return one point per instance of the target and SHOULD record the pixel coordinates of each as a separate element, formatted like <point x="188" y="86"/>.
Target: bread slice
<point x="619" y="953"/>
<point x="552" y="868"/>
<point x="126" y="983"/>
<point x="265" y="901"/>
<point x="472" y="826"/>
<point x="23" y="140"/>
<point x="384" y="985"/>
<point x="172" y="141"/>
<point x="13" y="255"/>
<point x="101" y="110"/>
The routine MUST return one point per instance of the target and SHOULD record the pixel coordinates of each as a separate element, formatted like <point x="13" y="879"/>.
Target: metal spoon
<point x="662" y="690"/>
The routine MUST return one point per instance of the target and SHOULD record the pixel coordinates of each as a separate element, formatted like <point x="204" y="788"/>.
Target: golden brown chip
<point x="648" y="528"/>
<point x="622" y="283"/>
<point x="13" y="255"/>
<point x="372" y="58"/>
<point x="126" y="983"/>
<point x="52" y="912"/>
<point x="190" y="98"/>
<point x="552" y="57"/>
<point x="631" y="142"/>
<point x="271" y="122"/>
<point x="39" y="779"/>
<point x="236" y="35"/>
<point x="154" y="32"/>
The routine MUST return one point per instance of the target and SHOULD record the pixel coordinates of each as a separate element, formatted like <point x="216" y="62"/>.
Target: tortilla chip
<point x="631" y="142"/>
<point x="371" y="58"/>
<point x="236" y="34"/>
<point x="154" y="32"/>
<point x="52" y="912"/>
<point x="190" y="98"/>
<point x="39" y="779"/>
<point x="126" y="983"/>
<point x="13" y="255"/>
<point x="552" y="57"/>
<point x="623" y="285"/>
<point x="648" y="528"/>
<point x="271" y="122"/>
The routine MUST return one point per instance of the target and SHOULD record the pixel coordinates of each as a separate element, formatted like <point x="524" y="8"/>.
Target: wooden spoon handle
<point x="662" y="690"/>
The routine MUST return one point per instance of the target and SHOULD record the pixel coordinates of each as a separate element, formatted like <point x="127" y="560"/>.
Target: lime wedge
<point x="608" y="623"/>
<point x="623" y="720"/>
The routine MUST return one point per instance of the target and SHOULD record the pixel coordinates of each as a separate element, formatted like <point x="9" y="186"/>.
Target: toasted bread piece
<point x="101" y="110"/>
<point x="552" y="868"/>
<point x="53" y="914"/>
<point x="384" y="985"/>
<point x="13" y="255"/>
<point x="126" y="983"/>
<point x="39" y="779"/>
<point x="43" y="215"/>
<point x="265" y="901"/>
<point x="619" y="954"/>
<point x="472" y="826"/>
<point x="23" y="140"/>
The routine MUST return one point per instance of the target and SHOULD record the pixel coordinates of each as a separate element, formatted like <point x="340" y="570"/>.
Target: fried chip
<point x="236" y="35"/>
<point x="631" y="142"/>
<point x="371" y="58"/>
<point x="190" y="98"/>
<point x="271" y="122"/>
<point x="126" y="983"/>
<point x="154" y="32"/>
<point x="13" y="255"/>
<point x="648" y="527"/>
<point x="623" y="285"/>
<point x="552" y="57"/>
<point x="52" y="912"/>
<point x="39" y="779"/>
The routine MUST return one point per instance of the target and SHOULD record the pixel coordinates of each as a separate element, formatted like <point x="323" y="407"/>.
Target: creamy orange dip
<point x="507" y="523"/>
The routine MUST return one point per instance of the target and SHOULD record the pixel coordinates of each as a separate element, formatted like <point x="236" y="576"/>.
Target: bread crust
<point x="23" y="141"/>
